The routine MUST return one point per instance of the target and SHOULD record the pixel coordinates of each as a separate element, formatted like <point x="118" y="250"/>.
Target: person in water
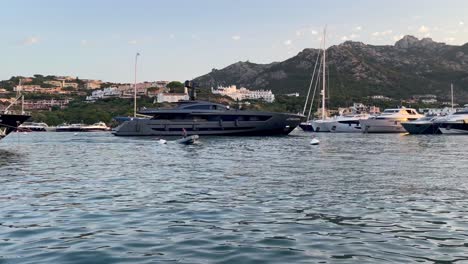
<point x="184" y="132"/>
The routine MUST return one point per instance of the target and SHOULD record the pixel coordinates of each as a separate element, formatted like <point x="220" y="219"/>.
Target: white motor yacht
<point x="31" y="126"/>
<point x="96" y="127"/>
<point x="389" y="121"/>
<point x="455" y="123"/>
<point x="347" y="123"/>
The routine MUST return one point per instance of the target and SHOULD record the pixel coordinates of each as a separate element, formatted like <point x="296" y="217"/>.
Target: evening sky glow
<point x="181" y="40"/>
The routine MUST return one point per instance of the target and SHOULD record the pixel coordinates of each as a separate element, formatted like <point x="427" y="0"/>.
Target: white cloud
<point x="31" y="41"/>
<point x="172" y="36"/>
<point x="195" y="37"/>
<point x="84" y="42"/>
<point x="461" y="23"/>
<point x="382" y="33"/>
<point x="299" y="33"/>
<point x="288" y="42"/>
<point x="358" y="28"/>
<point x="314" y="32"/>
<point x="449" y="40"/>
<point x="133" y="42"/>
<point x="236" y="37"/>
<point x="423" y="29"/>
<point x="344" y="38"/>
<point x="397" y="37"/>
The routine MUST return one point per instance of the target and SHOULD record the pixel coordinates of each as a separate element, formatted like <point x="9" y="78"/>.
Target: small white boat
<point x="188" y="140"/>
<point x="314" y="141"/>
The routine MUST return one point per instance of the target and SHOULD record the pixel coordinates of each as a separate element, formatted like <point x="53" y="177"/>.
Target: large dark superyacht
<point x="207" y="118"/>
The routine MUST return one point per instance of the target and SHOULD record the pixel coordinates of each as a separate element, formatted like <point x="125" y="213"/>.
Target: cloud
<point x="344" y="38"/>
<point x="287" y="42"/>
<point x="195" y="37"/>
<point x="449" y="40"/>
<point x="236" y="37"/>
<point x="461" y="23"/>
<point x="350" y="37"/>
<point x="305" y="31"/>
<point x="83" y="42"/>
<point x="397" y="37"/>
<point x="31" y="41"/>
<point x="382" y="33"/>
<point x="133" y="42"/>
<point x="423" y="29"/>
<point x="172" y="36"/>
<point x="358" y="28"/>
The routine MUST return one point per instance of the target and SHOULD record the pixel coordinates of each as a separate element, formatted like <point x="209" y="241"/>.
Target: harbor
<point x="77" y="198"/>
<point x="234" y="132"/>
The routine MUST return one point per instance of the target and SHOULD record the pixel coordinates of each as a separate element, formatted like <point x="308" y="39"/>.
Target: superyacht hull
<point x="10" y="123"/>
<point x="278" y="124"/>
<point x="337" y="127"/>
<point x="417" y="128"/>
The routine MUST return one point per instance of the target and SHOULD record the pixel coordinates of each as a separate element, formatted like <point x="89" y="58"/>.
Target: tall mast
<point x="323" y="74"/>
<point x="451" y="89"/>
<point x="135" y="87"/>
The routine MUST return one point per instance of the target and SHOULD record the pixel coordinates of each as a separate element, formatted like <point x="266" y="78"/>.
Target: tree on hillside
<point x="175" y="87"/>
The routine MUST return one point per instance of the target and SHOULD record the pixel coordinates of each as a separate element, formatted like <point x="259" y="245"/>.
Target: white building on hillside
<point x="244" y="93"/>
<point x="104" y="93"/>
<point x="172" y="97"/>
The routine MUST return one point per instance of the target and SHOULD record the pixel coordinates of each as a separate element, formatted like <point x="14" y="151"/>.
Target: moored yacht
<point x="455" y="123"/>
<point x="207" y="118"/>
<point x="347" y="123"/>
<point x="69" y="128"/>
<point x="96" y="127"/>
<point x="423" y="125"/>
<point x="389" y="121"/>
<point x="10" y="120"/>
<point x="35" y="127"/>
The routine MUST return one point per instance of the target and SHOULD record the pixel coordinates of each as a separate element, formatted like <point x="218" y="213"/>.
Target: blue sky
<point x="182" y="39"/>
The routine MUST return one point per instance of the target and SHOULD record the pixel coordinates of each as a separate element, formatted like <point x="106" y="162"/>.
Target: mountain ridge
<point x="411" y="66"/>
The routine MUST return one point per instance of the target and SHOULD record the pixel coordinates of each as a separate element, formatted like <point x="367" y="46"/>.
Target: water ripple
<point x="95" y="198"/>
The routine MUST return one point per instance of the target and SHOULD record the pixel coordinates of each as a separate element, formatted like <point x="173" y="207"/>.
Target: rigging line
<point x="317" y="83"/>
<point x="310" y="85"/>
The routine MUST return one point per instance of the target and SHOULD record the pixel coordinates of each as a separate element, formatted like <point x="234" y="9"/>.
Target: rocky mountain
<point x="410" y="67"/>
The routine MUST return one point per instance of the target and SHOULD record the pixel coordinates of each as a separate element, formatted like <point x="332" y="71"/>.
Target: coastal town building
<point x="380" y="97"/>
<point x="172" y="97"/>
<point x="45" y="104"/>
<point x="93" y="84"/>
<point x="110" y="92"/>
<point x="244" y="93"/>
<point x="3" y="91"/>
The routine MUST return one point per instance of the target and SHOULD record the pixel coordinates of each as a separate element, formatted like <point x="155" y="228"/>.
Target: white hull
<point x="452" y="131"/>
<point x="337" y="127"/>
<point x="321" y="125"/>
<point x="383" y="126"/>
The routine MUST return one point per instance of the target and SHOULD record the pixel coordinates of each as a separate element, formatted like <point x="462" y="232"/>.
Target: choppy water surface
<point x="96" y="198"/>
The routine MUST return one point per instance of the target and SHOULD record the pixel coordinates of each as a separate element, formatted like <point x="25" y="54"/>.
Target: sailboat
<point x="323" y="124"/>
<point x="307" y="125"/>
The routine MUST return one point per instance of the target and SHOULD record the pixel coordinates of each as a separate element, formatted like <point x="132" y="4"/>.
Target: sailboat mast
<point x="451" y="89"/>
<point x="323" y="75"/>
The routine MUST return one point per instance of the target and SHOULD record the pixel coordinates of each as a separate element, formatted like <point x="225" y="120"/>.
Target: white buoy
<point x="162" y="141"/>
